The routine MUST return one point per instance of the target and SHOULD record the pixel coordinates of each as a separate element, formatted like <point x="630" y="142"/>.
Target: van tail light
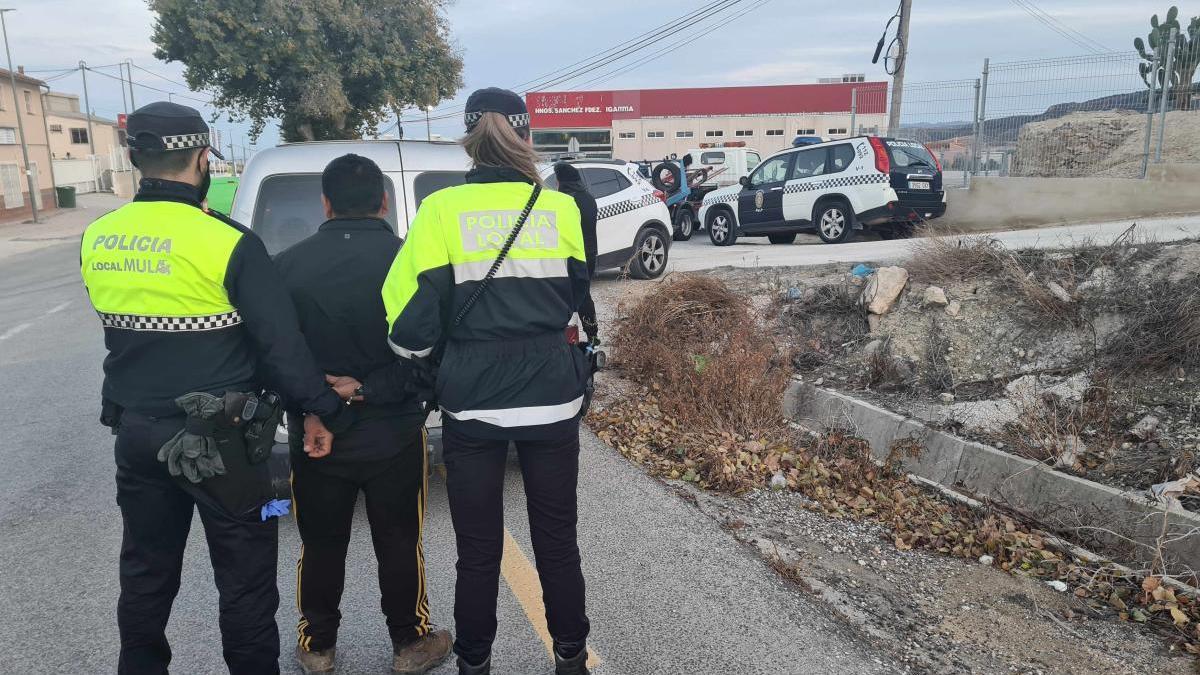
<point x="882" y="163"/>
<point x="662" y="196"/>
<point x="936" y="161"/>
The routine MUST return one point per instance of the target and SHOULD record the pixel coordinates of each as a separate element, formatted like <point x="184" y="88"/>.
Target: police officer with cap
<point x="489" y="278"/>
<point x="191" y="307"/>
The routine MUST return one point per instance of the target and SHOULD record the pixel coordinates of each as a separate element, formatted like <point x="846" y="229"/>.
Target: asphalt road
<point x="669" y="592"/>
<point x="700" y="254"/>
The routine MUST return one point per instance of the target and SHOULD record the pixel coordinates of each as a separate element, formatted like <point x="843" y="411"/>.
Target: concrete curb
<point x="1061" y="501"/>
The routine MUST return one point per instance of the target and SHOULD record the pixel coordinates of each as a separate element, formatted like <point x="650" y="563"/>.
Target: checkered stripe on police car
<point x="625" y="207"/>
<point x="185" y="141"/>
<point x="723" y="199"/>
<point x="170" y="324"/>
<point x="838" y="182"/>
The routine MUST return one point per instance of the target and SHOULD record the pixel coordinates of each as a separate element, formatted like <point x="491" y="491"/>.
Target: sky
<point x="508" y="42"/>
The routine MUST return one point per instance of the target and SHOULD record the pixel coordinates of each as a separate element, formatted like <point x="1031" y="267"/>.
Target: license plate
<point x="917" y="185"/>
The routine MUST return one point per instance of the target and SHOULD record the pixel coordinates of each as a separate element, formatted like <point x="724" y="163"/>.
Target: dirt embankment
<point x="1103" y="143"/>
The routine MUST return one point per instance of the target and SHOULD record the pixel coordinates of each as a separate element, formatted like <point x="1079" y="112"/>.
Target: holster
<point x="257" y="416"/>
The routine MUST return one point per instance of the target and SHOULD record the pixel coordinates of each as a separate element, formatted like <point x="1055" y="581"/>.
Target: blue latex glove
<point x="276" y="508"/>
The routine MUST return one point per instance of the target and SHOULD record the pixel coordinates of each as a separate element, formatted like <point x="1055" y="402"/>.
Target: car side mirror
<point x="745" y="181"/>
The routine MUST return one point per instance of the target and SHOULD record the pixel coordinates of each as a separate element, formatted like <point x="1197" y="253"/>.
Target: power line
<point x="606" y="77"/>
<point x="146" y="86"/>
<point x="1062" y="30"/>
<point x="598" y="60"/>
<point x="162" y="77"/>
<point x="1055" y="20"/>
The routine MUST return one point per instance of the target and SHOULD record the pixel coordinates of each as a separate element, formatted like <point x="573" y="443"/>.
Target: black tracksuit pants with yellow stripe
<point x="385" y="460"/>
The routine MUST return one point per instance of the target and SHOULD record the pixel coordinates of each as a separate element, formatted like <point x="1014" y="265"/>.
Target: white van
<point x="737" y="160"/>
<point x="279" y="196"/>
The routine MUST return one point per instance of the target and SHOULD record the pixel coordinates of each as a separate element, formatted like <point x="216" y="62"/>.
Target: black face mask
<point x="205" y="182"/>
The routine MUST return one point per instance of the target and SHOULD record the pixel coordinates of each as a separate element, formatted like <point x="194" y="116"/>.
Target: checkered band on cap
<point x="185" y="141"/>
<point x="170" y="324"/>
<point x="519" y="121"/>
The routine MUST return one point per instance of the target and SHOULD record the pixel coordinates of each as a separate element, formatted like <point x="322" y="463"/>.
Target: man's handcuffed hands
<point x="345" y="387"/>
<point x="318" y="441"/>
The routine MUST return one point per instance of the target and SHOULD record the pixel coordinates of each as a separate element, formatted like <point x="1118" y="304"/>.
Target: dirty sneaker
<point x="484" y="668"/>
<point x="576" y="665"/>
<point x="421" y="654"/>
<point x="316" y="661"/>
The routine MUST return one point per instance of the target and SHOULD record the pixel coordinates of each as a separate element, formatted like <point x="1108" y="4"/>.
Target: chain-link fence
<point x="1079" y="116"/>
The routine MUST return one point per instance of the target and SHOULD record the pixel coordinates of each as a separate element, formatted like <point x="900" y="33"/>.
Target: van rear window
<point x="289" y="209"/>
<point x="429" y="182"/>
<point x="712" y="158"/>
<point x="910" y="153"/>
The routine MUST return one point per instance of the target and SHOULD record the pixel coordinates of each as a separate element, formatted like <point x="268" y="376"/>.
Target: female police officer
<point x="488" y="279"/>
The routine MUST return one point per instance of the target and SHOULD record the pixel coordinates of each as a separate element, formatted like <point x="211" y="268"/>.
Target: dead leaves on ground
<point x="836" y="474"/>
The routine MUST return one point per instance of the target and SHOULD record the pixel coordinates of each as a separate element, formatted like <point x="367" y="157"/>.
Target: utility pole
<point x="87" y="109"/>
<point x="232" y="157"/>
<point x="124" y="97"/>
<point x="12" y="78"/>
<point x="129" y="68"/>
<point x="428" y="133"/>
<point x="898" y="78"/>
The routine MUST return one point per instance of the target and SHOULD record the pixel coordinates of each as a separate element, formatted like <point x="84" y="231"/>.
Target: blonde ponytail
<point x="493" y="142"/>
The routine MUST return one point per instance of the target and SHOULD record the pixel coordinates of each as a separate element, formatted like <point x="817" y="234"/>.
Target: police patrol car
<point x="834" y="189"/>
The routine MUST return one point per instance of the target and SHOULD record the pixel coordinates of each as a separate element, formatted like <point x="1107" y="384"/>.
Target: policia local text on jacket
<point x="334" y="278"/>
<point x="507" y="373"/>
<point x="190" y="303"/>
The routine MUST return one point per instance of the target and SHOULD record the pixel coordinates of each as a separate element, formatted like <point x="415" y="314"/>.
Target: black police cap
<point x="166" y="126"/>
<point x="497" y="100"/>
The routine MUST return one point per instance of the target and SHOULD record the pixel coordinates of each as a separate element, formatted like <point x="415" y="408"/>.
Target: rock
<point x="1057" y="585"/>
<point x="954" y="308"/>
<point x="1099" y="282"/>
<point x="1059" y="292"/>
<point x="883" y="287"/>
<point x="1146" y="428"/>
<point x="986" y="560"/>
<point x="1072" y="448"/>
<point x="778" y="481"/>
<point x="935" y="296"/>
<point x="946" y="397"/>
<point x="873" y="348"/>
<point x="874" y="321"/>
<point x="818" y="382"/>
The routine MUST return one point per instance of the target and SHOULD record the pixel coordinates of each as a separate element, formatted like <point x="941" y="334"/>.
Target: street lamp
<point x="12" y="77"/>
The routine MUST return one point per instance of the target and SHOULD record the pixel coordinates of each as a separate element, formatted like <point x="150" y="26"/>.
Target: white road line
<point x="58" y="308"/>
<point x="14" y="330"/>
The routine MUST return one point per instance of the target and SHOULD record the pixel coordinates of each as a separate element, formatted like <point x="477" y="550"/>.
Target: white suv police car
<point x="834" y="189"/>
<point x="631" y="230"/>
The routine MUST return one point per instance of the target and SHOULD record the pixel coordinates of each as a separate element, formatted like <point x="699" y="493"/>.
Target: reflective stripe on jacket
<point x="508" y="364"/>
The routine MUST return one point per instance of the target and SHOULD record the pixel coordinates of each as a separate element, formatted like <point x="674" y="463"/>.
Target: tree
<point x="327" y="69"/>
<point x="1187" y="56"/>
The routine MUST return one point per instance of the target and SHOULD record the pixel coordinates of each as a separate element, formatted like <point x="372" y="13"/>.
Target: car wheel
<point x="685" y="224"/>
<point x="721" y="229"/>
<point x="782" y="238"/>
<point x="649" y="254"/>
<point x="835" y="222"/>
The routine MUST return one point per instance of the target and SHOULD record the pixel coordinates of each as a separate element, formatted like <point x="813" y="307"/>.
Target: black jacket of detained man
<point x="335" y="279"/>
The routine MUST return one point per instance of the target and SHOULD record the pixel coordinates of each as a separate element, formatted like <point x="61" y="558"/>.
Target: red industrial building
<point x="652" y="123"/>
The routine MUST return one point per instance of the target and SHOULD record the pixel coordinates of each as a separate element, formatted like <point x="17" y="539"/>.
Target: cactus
<point x="1187" y="56"/>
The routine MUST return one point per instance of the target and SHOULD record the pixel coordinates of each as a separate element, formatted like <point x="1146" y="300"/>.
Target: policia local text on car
<point x="196" y="323"/>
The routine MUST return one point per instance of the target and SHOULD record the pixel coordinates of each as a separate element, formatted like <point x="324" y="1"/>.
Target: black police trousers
<point x="324" y="493"/>
<point x="475" y="484"/>
<point x="156" y="511"/>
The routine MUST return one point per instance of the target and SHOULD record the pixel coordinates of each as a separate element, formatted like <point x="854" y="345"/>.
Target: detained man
<point x="334" y="278"/>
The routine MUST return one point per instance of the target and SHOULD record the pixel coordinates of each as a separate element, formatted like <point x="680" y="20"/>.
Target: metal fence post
<point x="974" y="165"/>
<point x="1150" y="113"/>
<point x="983" y="112"/>
<point x="1166" y="93"/>
<point x="854" y="111"/>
